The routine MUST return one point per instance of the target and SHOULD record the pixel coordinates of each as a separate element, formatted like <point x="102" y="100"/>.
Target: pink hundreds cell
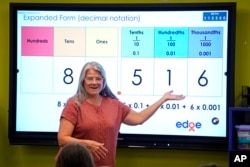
<point x="37" y="41"/>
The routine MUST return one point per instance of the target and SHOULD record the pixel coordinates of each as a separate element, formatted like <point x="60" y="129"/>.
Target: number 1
<point x="169" y="77"/>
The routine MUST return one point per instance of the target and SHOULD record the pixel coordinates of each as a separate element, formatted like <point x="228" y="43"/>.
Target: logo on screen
<point x="190" y="125"/>
<point x="215" y="120"/>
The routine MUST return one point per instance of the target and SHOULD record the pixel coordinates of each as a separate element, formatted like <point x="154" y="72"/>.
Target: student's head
<point x="210" y="165"/>
<point x="74" y="155"/>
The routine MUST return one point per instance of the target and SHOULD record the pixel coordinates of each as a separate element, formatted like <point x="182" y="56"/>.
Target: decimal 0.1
<point x="138" y="105"/>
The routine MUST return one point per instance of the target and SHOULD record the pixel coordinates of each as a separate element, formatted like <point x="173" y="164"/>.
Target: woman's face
<point x="93" y="82"/>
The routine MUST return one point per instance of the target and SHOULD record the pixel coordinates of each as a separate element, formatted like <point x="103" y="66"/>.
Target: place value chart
<point x="141" y="61"/>
<point x="144" y="53"/>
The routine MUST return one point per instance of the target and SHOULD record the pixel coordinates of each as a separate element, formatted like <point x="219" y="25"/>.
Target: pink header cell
<point x="37" y="41"/>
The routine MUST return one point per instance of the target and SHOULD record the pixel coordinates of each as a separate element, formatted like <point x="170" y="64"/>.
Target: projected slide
<point x="144" y="54"/>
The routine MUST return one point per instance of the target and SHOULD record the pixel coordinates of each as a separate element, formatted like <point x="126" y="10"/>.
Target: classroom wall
<point x="43" y="156"/>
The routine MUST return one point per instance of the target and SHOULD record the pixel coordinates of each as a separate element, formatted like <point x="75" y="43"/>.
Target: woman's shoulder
<point x="72" y="100"/>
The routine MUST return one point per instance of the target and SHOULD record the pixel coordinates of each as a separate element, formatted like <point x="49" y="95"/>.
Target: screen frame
<point x="124" y="140"/>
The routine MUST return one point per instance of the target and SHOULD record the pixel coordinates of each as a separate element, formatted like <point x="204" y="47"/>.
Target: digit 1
<point x="169" y="77"/>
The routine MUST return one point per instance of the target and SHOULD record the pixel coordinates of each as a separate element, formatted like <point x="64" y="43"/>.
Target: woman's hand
<point x="170" y="96"/>
<point x="98" y="150"/>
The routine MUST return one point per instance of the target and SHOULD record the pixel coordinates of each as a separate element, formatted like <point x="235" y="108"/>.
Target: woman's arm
<point x="64" y="136"/>
<point x="135" y="118"/>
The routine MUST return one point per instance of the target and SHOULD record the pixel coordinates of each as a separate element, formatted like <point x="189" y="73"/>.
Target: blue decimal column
<point x="205" y="61"/>
<point x="171" y="51"/>
<point x="137" y="54"/>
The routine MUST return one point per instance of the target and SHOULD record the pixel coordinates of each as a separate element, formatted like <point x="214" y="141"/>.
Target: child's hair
<point x="210" y="165"/>
<point x="74" y="155"/>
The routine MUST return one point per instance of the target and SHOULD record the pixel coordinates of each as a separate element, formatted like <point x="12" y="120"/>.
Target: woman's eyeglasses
<point x="91" y="79"/>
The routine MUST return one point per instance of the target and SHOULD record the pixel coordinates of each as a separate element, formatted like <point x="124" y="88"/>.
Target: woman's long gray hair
<point x="81" y="93"/>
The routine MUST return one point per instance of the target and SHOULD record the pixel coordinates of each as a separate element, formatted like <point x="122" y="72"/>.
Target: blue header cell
<point x="215" y="16"/>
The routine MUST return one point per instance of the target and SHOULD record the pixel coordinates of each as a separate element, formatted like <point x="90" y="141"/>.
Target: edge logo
<point x="190" y="125"/>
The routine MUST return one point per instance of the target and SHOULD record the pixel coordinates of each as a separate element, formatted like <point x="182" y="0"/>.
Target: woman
<point x="92" y="117"/>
